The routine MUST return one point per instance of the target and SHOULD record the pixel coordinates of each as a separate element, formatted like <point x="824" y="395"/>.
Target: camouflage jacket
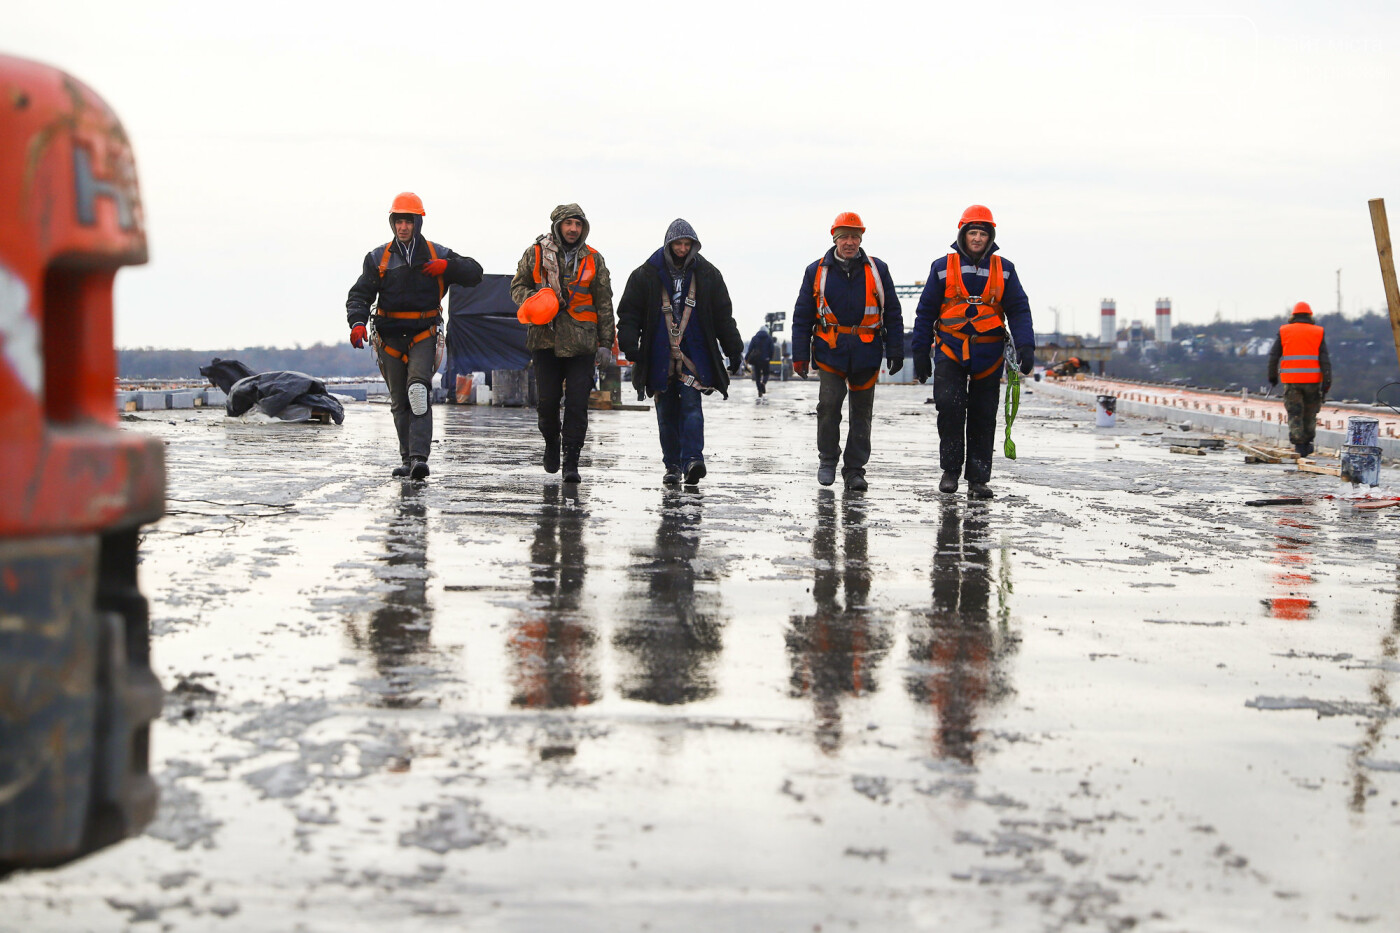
<point x="565" y="335"/>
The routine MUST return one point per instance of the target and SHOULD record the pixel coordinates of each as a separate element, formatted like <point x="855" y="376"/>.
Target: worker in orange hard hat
<point x="564" y="292"/>
<point x="846" y="320"/>
<point x="971" y="308"/>
<point x="1299" y="358"/>
<point x="403" y="281"/>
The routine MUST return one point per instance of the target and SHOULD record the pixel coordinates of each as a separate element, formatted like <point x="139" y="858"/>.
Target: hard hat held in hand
<point x="539" y="308"/>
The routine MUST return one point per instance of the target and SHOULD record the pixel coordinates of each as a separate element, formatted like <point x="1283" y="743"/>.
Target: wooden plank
<point x="1307" y="466"/>
<point x="1381" y="227"/>
<point x="1192" y="451"/>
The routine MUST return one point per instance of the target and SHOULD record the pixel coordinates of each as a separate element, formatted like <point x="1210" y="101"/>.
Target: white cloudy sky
<point x="1221" y="154"/>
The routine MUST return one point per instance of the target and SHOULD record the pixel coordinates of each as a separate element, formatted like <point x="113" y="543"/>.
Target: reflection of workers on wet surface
<point x="1292" y="553"/>
<point x="835" y="650"/>
<point x="1363" y="753"/>
<point x="552" y="643"/>
<point x="955" y="652"/>
<point x="672" y="623"/>
<point x="399" y="631"/>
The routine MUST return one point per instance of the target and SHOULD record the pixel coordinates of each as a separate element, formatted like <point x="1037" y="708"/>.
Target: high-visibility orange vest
<point x="871" y="322"/>
<point x="1299" y="362"/>
<point x="580" y="306"/>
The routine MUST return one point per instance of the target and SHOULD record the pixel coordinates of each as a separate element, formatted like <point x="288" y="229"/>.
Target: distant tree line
<point x="1362" y="350"/>
<point x="321" y="360"/>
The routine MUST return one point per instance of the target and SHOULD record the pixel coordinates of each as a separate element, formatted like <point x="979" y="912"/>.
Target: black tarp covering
<point x="224" y="373"/>
<point x="275" y="392"/>
<point x="482" y="331"/>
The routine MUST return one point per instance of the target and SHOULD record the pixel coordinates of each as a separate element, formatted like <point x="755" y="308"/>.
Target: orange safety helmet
<point x="408" y="203"/>
<point x="977" y="214"/>
<point x="539" y="308"/>
<point x="848" y="219"/>
<point x="1303" y="307"/>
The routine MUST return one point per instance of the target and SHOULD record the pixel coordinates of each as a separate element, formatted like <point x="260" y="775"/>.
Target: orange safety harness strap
<point x="403" y="355"/>
<point x="964" y="314"/>
<point x="408" y="315"/>
<point x="854" y="387"/>
<point x="583" y="277"/>
<point x="871" y="323"/>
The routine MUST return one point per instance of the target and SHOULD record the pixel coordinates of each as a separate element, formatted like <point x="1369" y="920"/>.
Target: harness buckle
<point x="974" y="299"/>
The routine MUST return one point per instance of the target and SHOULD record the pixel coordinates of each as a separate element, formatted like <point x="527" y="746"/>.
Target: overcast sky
<point x="1221" y="154"/>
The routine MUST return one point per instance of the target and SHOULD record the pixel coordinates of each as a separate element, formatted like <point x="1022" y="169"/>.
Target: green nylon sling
<point x="1013" y="397"/>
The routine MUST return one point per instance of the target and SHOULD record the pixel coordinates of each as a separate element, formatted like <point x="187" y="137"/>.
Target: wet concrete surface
<point x="1111" y="698"/>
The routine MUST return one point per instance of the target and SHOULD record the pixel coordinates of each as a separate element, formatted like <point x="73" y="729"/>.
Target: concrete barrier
<point x="358" y="393"/>
<point x="214" y="398"/>
<point x="151" y="401"/>
<point x="179" y="400"/>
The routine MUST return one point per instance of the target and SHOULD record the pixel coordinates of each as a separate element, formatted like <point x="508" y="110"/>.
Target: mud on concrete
<point x="1111" y="698"/>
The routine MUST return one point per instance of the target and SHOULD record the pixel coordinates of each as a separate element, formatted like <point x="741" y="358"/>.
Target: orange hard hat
<point x="407" y="203"/>
<point x="977" y="214"/>
<point x="847" y="219"/>
<point x="539" y="308"/>
<point x="1302" y="307"/>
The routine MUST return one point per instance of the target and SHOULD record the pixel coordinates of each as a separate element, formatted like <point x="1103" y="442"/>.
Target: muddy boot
<point x="949" y="482"/>
<point x="694" y="472"/>
<point x="551" y="454"/>
<point x="673" y="476"/>
<point x="826" y="473"/>
<point x="418" y="469"/>
<point x="401" y="471"/>
<point x="1303" y="448"/>
<point x="571" y="473"/>
<point x="855" y="481"/>
<point x="979" y="491"/>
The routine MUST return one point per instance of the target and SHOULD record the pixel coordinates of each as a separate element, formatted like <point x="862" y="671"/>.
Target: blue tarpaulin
<point x="482" y="331"/>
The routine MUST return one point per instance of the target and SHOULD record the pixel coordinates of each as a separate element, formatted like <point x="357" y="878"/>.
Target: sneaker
<point x="673" y="476"/>
<point x="826" y="474"/>
<point x="401" y="470"/>
<point x="419" y="469"/>
<point x="694" y="472"/>
<point x="856" y="482"/>
<point x="949" y="482"/>
<point x="551" y="454"/>
<point x="979" y="491"/>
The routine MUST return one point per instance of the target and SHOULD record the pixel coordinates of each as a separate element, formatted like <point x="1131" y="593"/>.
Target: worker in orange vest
<point x="1299" y="358"/>
<point x="404" y="281"/>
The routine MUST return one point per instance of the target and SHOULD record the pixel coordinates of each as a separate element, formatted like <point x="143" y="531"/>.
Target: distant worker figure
<point x="1299" y="358"/>
<point x="673" y="321"/>
<point x="759" y="355"/>
<point x="847" y="318"/>
<point x="408" y="276"/>
<point x="564" y="292"/>
<point x="972" y="305"/>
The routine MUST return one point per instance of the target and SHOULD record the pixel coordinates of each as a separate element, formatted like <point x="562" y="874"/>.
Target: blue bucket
<point x="1361" y="463"/>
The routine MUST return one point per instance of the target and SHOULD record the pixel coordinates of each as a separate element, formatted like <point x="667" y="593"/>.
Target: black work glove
<point x="1027" y="357"/>
<point x="896" y="363"/>
<point x="923" y="367"/>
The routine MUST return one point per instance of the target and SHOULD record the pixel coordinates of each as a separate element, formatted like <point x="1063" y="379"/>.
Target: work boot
<point x="418" y="469"/>
<point x="855" y="482"/>
<point x="551" y="454"/>
<point x="401" y="471"/>
<point x="949" y="482"/>
<point x="826" y="473"/>
<point x="571" y="473"/>
<point x="1303" y="448"/>
<point x="978" y="490"/>
<point x="694" y="472"/>
<point x="673" y="475"/>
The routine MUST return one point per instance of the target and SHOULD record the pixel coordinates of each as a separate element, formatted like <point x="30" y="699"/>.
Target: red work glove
<point x="436" y="267"/>
<point x="800" y="367"/>
<point x="357" y="336"/>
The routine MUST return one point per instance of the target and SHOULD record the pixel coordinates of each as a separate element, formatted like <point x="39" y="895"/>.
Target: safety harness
<point x="579" y="292"/>
<point x="676" y="330"/>
<point x="872" y="322"/>
<point x="418" y="338"/>
<point x="971" y="318"/>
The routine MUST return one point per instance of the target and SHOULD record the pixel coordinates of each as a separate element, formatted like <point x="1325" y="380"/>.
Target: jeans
<point x="415" y="431"/>
<point x="967" y="408"/>
<point x="681" y="423"/>
<point x="568" y="379"/>
<point x="830" y="398"/>
<point x="760" y="376"/>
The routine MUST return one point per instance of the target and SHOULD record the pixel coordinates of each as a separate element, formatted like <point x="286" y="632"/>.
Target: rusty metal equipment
<point x="77" y="694"/>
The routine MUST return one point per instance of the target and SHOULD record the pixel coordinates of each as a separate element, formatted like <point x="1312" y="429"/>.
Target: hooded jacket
<point x="404" y="287"/>
<point x="1014" y="303"/>
<point x="711" y="328"/>
<point x="845" y="294"/>
<point x="565" y="335"/>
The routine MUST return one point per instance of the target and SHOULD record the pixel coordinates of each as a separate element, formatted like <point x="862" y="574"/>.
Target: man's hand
<point x="357" y="336"/>
<point x="923" y="367"/>
<point x="603" y="357"/>
<point x="895" y="364"/>
<point x="436" y="267"/>
<point x="1027" y="358"/>
<point x="736" y="366"/>
<point x="800" y="368"/>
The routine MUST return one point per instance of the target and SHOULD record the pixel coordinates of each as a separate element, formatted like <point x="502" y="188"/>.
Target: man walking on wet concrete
<point x="674" y="320"/>
<point x="758" y="356"/>
<point x="1299" y="358"/>
<point x="404" y="281"/>
<point x="971" y="307"/>
<point x="564" y="292"/>
<point x="847" y="318"/>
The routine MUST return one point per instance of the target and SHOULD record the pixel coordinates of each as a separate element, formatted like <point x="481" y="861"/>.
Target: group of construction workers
<point x="675" y="324"/>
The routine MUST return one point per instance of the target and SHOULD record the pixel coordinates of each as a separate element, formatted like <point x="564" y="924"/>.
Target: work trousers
<point x="760" y="376"/>
<point x="568" y="379"/>
<point x="680" y="420"/>
<point x="830" y="398"/>
<point x="1302" y="400"/>
<point x="415" y="431"/>
<point x="967" y="417"/>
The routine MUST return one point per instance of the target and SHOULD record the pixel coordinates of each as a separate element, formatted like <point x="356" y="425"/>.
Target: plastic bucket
<point x="1361" y="463"/>
<point x="1363" y="431"/>
<point x="1105" y="411"/>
